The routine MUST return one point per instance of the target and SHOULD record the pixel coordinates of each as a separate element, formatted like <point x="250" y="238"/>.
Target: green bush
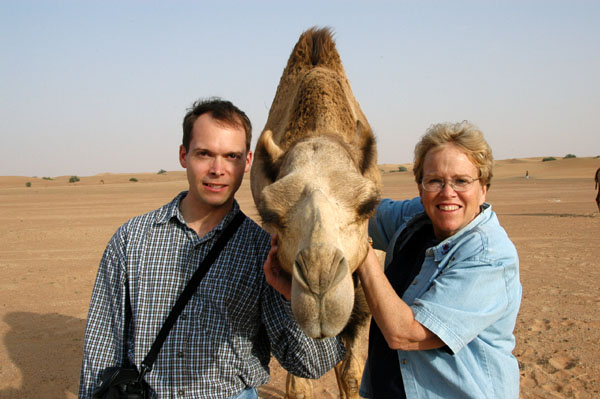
<point x="133" y="179"/>
<point x="47" y="178"/>
<point x="28" y="184"/>
<point x="162" y="171"/>
<point x="402" y="168"/>
<point x="73" y="179"/>
<point x="548" y="159"/>
<point x="570" y="156"/>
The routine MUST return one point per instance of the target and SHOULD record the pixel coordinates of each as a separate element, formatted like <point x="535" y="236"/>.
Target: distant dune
<point x="506" y="168"/>
<point x="516" y="167"/>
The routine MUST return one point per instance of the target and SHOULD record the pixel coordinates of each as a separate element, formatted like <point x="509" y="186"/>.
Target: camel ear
<point x="270" y="155"/>
<point x="272" y="150"/>
<point x="368" y="152"/>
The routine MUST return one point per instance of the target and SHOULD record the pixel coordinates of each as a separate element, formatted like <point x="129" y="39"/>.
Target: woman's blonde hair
<point x="463" y="135"/>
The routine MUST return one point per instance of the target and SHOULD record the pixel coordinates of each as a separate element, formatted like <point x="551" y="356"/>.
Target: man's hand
<point x="277" y="277"/>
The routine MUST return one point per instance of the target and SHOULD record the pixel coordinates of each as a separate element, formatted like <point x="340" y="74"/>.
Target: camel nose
<point x="322" y="291"/>
<point x="319" y="268"/>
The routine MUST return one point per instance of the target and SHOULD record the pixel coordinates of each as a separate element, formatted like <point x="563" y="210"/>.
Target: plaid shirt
<point x="222" y="341"/>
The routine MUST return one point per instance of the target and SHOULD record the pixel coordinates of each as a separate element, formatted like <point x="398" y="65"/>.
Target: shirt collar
<point x="446" y="245"/>
<point x="173" y="210"/>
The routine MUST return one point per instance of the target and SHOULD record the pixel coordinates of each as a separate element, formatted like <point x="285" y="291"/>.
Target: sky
<point x="89" y="87"/>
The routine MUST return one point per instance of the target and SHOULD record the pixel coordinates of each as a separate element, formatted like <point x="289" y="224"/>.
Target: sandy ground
<point x="53" y="233"/>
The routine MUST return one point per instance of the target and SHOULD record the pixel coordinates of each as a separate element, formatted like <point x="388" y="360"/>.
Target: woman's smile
<point x="448" y="167"/>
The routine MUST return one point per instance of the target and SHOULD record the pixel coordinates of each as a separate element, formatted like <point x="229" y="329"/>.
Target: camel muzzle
<point x="322" y="291"/>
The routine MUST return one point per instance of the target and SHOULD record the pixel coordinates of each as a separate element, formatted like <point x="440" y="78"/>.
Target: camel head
<point x="317" y="203"/>
<point x="315" y="182"/>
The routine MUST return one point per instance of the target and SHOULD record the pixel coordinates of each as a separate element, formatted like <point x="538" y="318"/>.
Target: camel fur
<point x="315" y="182"/>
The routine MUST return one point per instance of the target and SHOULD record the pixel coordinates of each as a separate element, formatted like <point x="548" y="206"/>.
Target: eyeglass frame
<point x="452" y="182"/>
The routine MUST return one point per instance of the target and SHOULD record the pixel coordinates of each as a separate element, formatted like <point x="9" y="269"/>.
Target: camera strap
<point x="188" y="291"/>
<point x="127" y="325"/>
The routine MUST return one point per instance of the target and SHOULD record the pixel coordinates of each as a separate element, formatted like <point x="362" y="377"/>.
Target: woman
<point x="445" y="307"/>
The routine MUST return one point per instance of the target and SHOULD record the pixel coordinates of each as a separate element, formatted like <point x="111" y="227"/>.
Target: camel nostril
<point x="340" y="268"/>
<point x="319" y="269"/>
<point x="299" y="273"/>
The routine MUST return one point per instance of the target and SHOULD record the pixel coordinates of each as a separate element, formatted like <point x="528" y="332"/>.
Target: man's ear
<point x="248" y="161"/>
<point x="182" y="154"/>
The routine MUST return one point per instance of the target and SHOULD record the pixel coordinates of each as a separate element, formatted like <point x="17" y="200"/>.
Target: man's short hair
<point x="219" y="109"/>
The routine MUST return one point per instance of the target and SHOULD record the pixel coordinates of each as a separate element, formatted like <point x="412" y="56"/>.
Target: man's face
<point x="215" y="162"/>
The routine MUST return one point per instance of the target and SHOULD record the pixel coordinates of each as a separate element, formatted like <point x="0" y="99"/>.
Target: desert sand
<point x="53" y="233"/>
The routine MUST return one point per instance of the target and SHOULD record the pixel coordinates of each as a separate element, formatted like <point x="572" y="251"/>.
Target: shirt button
<point x="181" y="392"/>
<point x="415" y="282"/>
<point x="404" y="361"/>
<point x="183" y="317"/>
<point x="179" y="354"/>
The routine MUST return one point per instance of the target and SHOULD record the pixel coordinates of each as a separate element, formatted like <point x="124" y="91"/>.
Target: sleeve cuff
<point x="436" y="326"/>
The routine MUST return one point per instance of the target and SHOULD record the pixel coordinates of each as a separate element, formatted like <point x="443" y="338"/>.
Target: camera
<point x="121" y="383"/>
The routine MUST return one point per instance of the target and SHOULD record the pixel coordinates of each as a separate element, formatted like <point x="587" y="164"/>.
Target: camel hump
<point x="315" y="47"/>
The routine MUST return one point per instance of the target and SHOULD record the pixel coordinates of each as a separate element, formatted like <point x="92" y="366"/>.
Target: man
<point x="221" y="344"/>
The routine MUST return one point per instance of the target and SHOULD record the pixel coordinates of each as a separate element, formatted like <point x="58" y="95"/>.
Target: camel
<point x="597" y="179"/>
<point x="315" y="182"/>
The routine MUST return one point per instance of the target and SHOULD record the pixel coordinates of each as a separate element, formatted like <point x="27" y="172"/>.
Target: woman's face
<point x="448" y="209"/>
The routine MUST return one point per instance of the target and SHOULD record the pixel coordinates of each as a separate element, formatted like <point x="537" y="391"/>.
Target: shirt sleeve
<point x="467" y="297"/>
<point x="389" y="217"/>
<point x="103" y="341"/>
<point x="296" y="352"/>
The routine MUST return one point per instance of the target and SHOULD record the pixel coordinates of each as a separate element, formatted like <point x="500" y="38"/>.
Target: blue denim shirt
<point x="468" y="293"/>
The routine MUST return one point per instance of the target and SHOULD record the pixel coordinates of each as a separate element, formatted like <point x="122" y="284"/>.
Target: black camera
<point x="121" y="383"/>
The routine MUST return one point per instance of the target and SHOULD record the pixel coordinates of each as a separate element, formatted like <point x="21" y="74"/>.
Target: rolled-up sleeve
<point x="467" y="297"/>
<point x="389" y="218"/>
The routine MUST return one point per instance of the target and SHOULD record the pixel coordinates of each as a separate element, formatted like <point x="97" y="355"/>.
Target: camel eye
<point x="367" y="208"/>
<point x="269" y="216"/>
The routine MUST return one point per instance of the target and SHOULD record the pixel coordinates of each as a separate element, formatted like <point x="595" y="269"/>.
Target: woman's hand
<point x="277" y="277"/>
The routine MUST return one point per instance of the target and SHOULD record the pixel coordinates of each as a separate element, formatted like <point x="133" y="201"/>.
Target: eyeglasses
<point x="458" y="184"/>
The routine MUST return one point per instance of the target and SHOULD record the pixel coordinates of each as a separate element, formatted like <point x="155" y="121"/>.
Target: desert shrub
<point x="73" y="179"/>
<point x="570" y="156"/>
<point x="162" y="171"/>
<point x="133" y="179"/>
<point x="548" y="159"/>
<point x="28" y="184"/>
<point x="47" y="178"/>
<point x="402" y="168"/>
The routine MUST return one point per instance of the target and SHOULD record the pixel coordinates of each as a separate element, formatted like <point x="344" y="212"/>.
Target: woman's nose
<point x="447" y="189"/>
